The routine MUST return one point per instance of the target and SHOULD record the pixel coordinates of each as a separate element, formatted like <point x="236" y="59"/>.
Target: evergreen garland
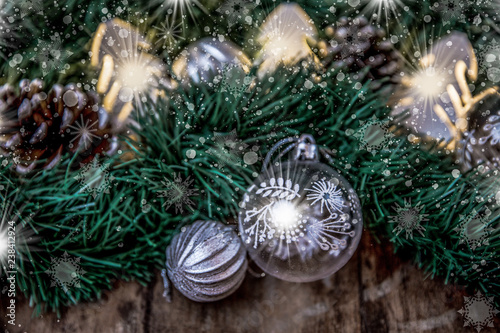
<point x="117" y="237"/>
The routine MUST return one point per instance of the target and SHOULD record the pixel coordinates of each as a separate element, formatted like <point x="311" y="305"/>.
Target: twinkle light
<point x="434" y="80"/>
<point x="437" y="93"/>
<point x="128" y="72"/>
<point x="133" y="76"/>
<point x="183" y="7"/>
<point x="429" y="83"/>
<point x="169" y="33"/>
<point x="5" y="211"/>
<point x="284" y="37"/>
<point x="384" y="8"/>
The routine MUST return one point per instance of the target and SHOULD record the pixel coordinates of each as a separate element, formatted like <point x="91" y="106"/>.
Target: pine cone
<point x="356" y="44"/>
<point x="38" y="128"/>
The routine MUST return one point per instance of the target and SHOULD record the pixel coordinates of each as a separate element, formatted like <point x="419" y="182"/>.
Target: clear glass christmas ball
<point x="301" y="221"/>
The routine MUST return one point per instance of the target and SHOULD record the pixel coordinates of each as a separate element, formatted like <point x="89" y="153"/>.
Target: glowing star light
<point x="180" y="8"/>
<point x="383" y="8"/>
<point x="128" y="72"/>
<point x="284" y="38"/>
<point x="436" y="95"/>
<point x="284" y="215"/>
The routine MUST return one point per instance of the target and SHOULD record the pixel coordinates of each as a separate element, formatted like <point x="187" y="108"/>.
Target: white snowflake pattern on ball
<point x="279" y="218"/>
<point x="280" y="193"/>
<point x="327" y="194"/>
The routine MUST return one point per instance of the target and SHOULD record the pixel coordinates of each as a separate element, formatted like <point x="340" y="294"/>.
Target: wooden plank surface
<point x="374" y="292"/>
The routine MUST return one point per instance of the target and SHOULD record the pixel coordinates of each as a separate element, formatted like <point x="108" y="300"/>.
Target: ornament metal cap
<point x="306" y="148"/>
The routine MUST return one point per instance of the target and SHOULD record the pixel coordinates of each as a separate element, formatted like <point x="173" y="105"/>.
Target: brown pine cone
<point x="356" y="44"/>
<point x="38" y="128"/>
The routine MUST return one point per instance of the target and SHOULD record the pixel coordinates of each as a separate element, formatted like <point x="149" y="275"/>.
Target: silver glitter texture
<point x="207" y="261"/>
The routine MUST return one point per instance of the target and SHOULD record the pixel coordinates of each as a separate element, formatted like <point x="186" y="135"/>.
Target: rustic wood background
<point x="375" y="292"/>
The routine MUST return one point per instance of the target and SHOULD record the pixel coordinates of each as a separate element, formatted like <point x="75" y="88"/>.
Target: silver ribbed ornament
<point x="206" y="60"/>
<point x="206" y="262"/>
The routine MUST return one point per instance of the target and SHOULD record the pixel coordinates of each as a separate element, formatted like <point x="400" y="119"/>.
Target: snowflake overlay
<point x="178" y="192"/>
<point x="27" y="7"/>
<point x="283" y="192"/>
<point x="353" y="42"/>
<point x="94" y="178"/>
<point x="489" y="60"/>
<point x="237" y="10"/>
<point x="478" y="311"/>
<point x="65" y="272"/>
<point x="408" y="218"/>
<point x="374" y="135"/>
<point x="449" y="10"/>
<point x="51" y="56"/>
<point x="474" y="229"/>
<point x="235" y="80"/>
<point x="169" y="33"/>
<point x="228" y="149"/>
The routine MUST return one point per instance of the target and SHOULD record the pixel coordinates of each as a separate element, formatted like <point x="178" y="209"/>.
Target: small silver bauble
<point x="206" y="261"/>
<point x="301" y="220"/>
<point x="206" y="60"/>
